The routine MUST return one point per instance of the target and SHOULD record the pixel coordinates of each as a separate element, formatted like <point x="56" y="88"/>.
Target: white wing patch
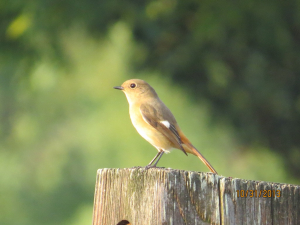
<point x="166" y="123"/>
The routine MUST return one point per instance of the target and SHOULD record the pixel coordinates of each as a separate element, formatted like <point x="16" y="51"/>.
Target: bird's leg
<point x="159" y="155"/>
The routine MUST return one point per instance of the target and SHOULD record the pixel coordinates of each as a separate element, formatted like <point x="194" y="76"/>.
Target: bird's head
<point x="135" y="89"/>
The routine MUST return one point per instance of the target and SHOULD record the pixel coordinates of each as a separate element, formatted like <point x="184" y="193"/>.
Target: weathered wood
<point x="244" y="210"/>
<point x="270" y="203"/>
<point x="166" y="196"/>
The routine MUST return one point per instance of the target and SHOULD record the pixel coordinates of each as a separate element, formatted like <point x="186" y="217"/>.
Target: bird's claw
<point x="153" y="166"/>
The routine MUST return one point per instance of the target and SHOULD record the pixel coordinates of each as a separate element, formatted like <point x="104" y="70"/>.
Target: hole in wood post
<point x="124" y="222"/>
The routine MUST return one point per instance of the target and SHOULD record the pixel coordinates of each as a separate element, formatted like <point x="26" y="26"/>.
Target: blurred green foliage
<point x="229" y="71"/>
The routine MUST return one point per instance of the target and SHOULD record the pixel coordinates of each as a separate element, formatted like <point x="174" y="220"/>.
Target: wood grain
<point x="167" y="196"/>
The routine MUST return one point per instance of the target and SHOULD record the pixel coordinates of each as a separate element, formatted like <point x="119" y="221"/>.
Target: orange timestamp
<point x="259" y="194"/>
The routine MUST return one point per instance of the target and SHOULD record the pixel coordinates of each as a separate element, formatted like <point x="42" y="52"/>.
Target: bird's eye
<point x="133" y="85"/>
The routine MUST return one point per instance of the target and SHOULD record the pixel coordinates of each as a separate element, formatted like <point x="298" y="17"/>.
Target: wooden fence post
<point x="165" y="196"/>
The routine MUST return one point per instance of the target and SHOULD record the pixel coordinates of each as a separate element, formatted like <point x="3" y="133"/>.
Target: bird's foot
<point x="149" y="166"/>
<point x="153" y="166"/>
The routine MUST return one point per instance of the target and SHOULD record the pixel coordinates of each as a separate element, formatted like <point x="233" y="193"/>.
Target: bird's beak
<point x="119" y="87"/>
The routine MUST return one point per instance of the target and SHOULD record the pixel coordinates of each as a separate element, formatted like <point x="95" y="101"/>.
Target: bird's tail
<point x="188" y="147"/>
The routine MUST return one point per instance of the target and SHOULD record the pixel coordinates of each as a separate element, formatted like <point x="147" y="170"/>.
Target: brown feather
<point x="188" y="147"/>
<point x="151" y="115"/>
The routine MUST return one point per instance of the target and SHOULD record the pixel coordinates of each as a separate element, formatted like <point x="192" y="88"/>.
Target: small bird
<point x="154" y="121"/>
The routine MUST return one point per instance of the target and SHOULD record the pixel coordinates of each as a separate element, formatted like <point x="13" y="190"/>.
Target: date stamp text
<point x="258" y="193"/>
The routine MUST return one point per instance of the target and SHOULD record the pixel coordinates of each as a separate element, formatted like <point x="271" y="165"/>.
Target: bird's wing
<point x="156" y="120"/>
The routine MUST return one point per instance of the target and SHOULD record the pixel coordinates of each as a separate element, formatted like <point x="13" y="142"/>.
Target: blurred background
<point x="229" y="72"/>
